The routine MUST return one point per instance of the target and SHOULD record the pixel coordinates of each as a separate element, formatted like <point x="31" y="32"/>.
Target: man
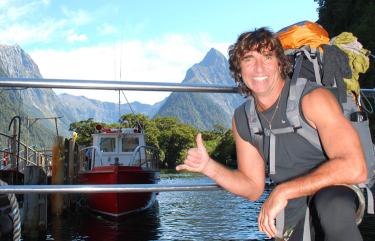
<point x="304" y="176"/>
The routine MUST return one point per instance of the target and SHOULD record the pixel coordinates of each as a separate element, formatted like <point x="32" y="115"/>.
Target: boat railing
<point x="26" y="156"/>
<point x="145" y="156"/>
<point x="88" y="156"/>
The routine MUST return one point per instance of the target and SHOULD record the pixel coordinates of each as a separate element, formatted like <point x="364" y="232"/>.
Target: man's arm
<point x="346" y="163"/>
<point x="247" y="181"/>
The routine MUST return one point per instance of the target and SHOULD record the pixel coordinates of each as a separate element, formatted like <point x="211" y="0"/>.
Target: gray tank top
<point x="295" y="156"/>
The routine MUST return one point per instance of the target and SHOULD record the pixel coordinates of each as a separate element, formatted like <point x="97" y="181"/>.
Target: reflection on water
<point x="85" y="225"/>
<point x="206" y="214"/>
<point x="198" y="215"/>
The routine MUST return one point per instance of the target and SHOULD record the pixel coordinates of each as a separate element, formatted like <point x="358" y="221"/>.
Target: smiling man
<point x="304" y="175"/>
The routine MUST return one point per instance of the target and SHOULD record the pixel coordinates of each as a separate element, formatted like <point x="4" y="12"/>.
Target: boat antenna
<point x="119" y="107"/>
<point x="132" y="110"/>
<point x="127" y="101"/>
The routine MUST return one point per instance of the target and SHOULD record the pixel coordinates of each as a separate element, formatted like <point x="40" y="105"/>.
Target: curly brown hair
<point x="261" y="40"/>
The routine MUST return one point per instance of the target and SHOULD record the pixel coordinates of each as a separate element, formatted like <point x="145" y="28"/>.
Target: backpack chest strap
<point x="272" y="149"/>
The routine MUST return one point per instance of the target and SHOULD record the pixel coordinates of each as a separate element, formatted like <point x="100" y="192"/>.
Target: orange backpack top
<point x="303" y="33"/>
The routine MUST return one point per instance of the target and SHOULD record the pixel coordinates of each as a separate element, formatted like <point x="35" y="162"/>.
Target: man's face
<point x="260" y="71"/>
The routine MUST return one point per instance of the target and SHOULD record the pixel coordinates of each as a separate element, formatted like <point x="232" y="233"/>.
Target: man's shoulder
<point x="318" y="93"/>
<point x="319" y="103"/>
<point x="241" y="107"/>
<point x="310" y="86"/>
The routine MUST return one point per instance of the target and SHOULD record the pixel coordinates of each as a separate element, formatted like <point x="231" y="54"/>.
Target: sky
<point x="139" y="40"/>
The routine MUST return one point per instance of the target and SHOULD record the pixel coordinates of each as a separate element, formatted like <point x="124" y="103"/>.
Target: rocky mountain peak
<point x="214" y="57"/>
<point x="204" y="110"/>
<point x="213" y="69"/>
<point x="16" y="62"/>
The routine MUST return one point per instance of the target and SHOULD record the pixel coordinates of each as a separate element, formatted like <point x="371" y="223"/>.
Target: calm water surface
<point x="199" y="215"/>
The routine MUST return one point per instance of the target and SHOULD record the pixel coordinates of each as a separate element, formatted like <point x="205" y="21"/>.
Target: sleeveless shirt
<point x="295" y="156"/>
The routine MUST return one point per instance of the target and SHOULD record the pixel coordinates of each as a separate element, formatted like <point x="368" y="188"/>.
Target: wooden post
<point x="70" y="170"/>
<point x="35" y="205"/>
<point x="57" y="199"/>
<point x="13" y="146"/>
<point x="71" y="165"/>
<point x="76" y="162"/>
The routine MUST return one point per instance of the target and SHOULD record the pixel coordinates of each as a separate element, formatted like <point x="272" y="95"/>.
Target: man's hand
<point x="274" y="204"/>
<point x="197" y="158"/>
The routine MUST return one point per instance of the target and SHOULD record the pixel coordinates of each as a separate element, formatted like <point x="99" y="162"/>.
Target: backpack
<point x="307" y="47"/>
<point x="329" y="66"/>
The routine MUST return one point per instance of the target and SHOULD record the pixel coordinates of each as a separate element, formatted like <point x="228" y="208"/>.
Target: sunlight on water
<point x="192" y="215"/>
<point x="183" y="215"/>
<point x="206" y="214"/>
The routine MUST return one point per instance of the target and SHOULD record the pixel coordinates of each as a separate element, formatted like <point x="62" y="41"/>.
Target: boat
<point x="119" y="156"/>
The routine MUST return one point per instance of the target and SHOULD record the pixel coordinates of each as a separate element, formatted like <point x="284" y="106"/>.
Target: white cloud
<point x="11" y="11"/>
<point x="24" y="33"/>
<point x="4" y="3"/>
<point x="18" y="23"/>
<point x="78" y="17"/>
<point x="73" y="37"/>
<point x="161" y="60"/>
<point x="14" y="12"/>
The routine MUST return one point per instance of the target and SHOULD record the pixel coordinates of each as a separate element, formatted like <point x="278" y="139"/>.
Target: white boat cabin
<point x="125" y="146"/>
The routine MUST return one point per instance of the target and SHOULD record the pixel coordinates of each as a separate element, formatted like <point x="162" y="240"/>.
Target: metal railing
<point x="106" y="188"/>
<point x="88" y="160"/>
<point x="113" y="85"/>
<point x="26" y="155"/>
<point x="147" y="157"/>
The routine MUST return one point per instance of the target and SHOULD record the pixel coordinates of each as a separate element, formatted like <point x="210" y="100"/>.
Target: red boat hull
<point x="119" y="204"/>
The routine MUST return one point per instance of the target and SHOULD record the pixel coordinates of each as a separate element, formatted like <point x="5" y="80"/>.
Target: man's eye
<point x="268" y="57"/>
<point x="247" y="59"/>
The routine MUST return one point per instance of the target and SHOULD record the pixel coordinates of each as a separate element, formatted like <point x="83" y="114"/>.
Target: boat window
<point x="129" y="143"/>
<point x="108" y="144"/>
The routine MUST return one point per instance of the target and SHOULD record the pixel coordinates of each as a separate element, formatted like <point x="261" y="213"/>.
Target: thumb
<point x="199" y="141"/>
<point x="182" y="167"/>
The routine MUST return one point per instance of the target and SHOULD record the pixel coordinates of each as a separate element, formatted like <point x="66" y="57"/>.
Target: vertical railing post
<point x="57" y="199"/>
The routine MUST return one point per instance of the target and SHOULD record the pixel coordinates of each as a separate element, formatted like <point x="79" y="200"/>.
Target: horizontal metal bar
<point x="119" y="85"/>
<point x="368" y="91"/>
<point x="113" y="85"/>
<point x="106" y="188"/>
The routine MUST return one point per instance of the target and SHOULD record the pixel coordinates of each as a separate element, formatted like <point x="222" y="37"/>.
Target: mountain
<point x="82" y="108"/>
<point x="204" y="110"/>
<point x="41" y="105"/>
<point x="14" y="62"/>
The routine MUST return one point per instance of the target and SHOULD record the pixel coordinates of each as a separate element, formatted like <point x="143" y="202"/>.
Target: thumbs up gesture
<point x="197" y="158"/>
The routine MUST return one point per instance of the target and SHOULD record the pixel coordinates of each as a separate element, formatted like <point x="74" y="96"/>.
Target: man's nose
<point x="259" y="65"/>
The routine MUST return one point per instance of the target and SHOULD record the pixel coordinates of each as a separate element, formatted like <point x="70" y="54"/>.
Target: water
<point x="198" y="215"/>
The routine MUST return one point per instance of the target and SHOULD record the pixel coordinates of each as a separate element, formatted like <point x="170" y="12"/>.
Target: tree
<point x="225" y="151"/>
<point x="174" y="139"/>
<point x="131" y="120"/>
<point x="149" y="127"/>
<point x="356" y="16"/>
<point x="84" y="130"/>
<point x="170" y="136"/>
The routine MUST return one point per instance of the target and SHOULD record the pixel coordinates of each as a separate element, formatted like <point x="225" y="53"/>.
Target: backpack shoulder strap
<point x="294" y="116"/>
<point x="256" y="130"/>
